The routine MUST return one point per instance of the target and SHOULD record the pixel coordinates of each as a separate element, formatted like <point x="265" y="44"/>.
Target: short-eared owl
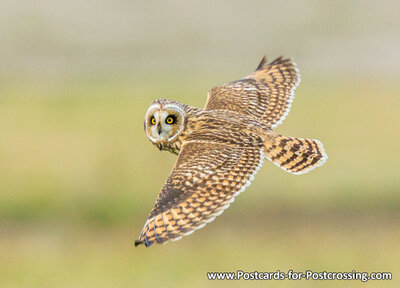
<point x="221" y="147"/>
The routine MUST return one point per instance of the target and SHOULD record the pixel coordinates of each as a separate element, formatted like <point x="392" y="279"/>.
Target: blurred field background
<point x="78" y="177"/>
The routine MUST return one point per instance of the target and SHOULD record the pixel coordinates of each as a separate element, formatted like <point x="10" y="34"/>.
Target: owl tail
<point x="294" y="155"/>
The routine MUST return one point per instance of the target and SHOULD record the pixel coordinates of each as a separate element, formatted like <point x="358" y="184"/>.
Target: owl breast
<point x="171" y="146"/>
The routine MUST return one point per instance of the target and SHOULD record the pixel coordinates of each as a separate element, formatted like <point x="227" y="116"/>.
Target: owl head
<point x="164" y="121"/>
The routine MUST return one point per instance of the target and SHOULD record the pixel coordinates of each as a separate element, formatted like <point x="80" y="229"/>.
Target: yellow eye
<point x="170" y="120"/>
<point x="153" y="120"/>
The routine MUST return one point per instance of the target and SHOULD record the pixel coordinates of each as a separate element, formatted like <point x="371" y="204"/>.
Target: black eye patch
<point x="171" y="119"/>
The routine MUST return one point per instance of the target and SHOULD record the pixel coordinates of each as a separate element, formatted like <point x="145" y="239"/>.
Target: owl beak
<point x="159" y="129"/>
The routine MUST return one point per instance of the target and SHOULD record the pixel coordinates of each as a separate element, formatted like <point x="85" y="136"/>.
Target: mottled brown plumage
<point x="221" y="147"/>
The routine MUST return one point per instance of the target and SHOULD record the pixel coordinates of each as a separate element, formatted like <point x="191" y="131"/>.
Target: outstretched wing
<point x="266" y="94"/>
<point x="204" y="181"/>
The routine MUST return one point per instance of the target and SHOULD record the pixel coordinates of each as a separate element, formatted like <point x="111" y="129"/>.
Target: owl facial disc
<point x="163" y="123"/>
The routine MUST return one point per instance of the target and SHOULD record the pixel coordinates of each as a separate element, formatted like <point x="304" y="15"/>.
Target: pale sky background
<point x="110" y="38"/>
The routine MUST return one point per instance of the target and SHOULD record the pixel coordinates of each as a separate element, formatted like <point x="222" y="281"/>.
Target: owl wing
<point x="266" y="94"/>
<point x="204" y="181"/>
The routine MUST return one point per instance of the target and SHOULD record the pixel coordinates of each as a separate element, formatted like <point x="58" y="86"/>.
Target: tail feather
<point x="295" y="155"/>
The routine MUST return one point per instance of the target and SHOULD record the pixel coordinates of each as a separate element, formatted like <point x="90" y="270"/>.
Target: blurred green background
<point x="78" y="177"/>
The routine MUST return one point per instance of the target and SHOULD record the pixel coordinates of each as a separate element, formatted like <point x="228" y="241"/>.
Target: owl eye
<point x="170" y="119"/>
<point x="153" y="120"/>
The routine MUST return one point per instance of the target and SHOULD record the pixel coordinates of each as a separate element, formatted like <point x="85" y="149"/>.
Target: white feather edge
<point x="283" y="117"/>
<point x="291" y="96"/>
<point x="318" y="164"/>
<point x="251" y="178"/>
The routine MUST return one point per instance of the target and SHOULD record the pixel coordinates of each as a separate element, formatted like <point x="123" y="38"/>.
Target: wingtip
<point x="138" y="242"/>
<point x="262" y="63"/>
<point x="278" y="60"/>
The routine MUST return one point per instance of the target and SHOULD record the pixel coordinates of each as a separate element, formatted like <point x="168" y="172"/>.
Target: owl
<point x="221" y="147"/>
